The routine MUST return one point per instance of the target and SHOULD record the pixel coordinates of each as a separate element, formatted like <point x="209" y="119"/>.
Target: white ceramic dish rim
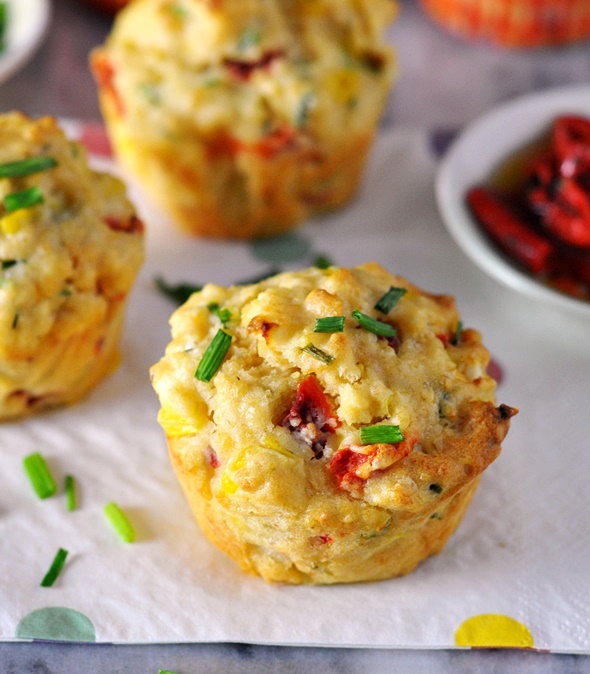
<point x="474" y="155"/>
<point x="27" y="26"/>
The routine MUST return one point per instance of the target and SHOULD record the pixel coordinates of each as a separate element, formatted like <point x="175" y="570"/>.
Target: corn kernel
<point x="272" y="443"/>
<point x="343" y="84"/>
<point x="13" y="222"/>
<point x="175" y="425"/>
<point x="228" y="485"/>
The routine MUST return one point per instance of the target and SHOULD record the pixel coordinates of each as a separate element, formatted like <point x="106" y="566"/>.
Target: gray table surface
<point x="443" y="84"/>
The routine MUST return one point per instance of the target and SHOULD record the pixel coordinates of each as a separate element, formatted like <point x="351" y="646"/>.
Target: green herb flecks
<point x="329" y="324"/>
<point x="373" y="325"/>
<point x="224" y="315"/>
<point x="435" y="488"/>
<point x="6" y="264"/>
<point x="250" y="38"/>
<point x="179" y="292"/>
<point x="24" y="199"/>
<point x="3" y="24"/>
<point x="70" y="488"/>
<point x="39" y="475"/>
<point x="322" y="262"/>
<point x="317" y="353"/>
<point x="381" y="433"/>
<point x="119" y="522"/>
<point x="25" y="167"/>
<point x="213" y="356"/>
<point x="304" y="108"/>
<point x="457" y="334"/>
<point x="390" y="299"/>
<point x="55" y="569"/>
<point x="150" y="92"/>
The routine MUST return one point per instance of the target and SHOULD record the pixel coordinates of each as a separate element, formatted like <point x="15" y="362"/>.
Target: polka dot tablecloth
<point x="515" y="574"/>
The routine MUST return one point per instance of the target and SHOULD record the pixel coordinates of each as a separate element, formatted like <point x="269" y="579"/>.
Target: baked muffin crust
<point x="270" y="450"/>
<point x="208" y="102"/>
<point x="68" y="264"/>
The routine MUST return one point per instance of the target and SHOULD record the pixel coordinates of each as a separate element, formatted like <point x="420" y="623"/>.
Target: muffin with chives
<point x="241" y="118"/>
<point x="327" y="426"/>
<point x="70" y="247"/>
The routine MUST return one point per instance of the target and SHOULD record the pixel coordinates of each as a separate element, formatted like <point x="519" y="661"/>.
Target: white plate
<point x="471" y="159"/>
<point x="26" y="27"/>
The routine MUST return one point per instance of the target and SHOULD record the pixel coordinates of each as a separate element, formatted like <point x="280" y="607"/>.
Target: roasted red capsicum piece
<point x="508" y="231"/>
<point x="311" y="417"/>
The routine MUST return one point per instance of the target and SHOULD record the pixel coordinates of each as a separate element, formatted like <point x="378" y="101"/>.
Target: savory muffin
<point x="243" y="117"/>
<point x="327" y="426"/>
<point x="70" y="247"/>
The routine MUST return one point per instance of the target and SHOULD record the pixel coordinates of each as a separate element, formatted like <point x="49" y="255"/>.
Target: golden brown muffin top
<point x="286" y="393"/>
<point x="70" y="253"/>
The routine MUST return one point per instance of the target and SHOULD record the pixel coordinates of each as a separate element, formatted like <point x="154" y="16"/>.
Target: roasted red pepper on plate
<point x="543" y="222"/>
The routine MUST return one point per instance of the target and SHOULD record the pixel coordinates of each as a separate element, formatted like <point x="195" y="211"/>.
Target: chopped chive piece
<point x="224" y="315"/>
<point x="305" y="104"/>
<point x="165" y="671"/>
<point x="250" y="38"/>
<point x="179" y="293"/>
<point x="371" y="435"/>
<point x="15" y="319"/>
<point x="436" y="488"/>
<point x="213" y="356"/>
<point x="25" y="167"/>
<point x="70" y="493"/>
<point x="6" y="264"/>
<point x="314" y="351"/>
<point x="457" y="334"/>
<point x="373" y="325"/>
<point x="55" y="569"/>
<point x="25" y="199"/>
<point x="322" y="262"/>
<point x="39" y="475"/>
<point x="329" y="324"/>
<point x="3" y="22"/>
<point x="390" y="299"/>
<point x="118" y="520"/>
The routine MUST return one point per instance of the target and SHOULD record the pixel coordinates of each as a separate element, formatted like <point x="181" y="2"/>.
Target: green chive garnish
<point x="457" y="334"/>
<point x="6" y="264"/>
<point x="39" y="475"/>
<point x="165" y="671"/>
<point x="70" y="493"/>
<point x="25" y="167"/>
<point x="371" y="435"/>
<point x="322" y="262"/>
<point x="55" y="569"/>
<point x="3" y="22"/>
<point x="179" y="293"/>
<point x="373" y="325"/>
<point x="213" y="356"/>
<point x="314" y="351"/>
<point x="329" y="324"/>
<point x="25" y="199"/>
<point x="224" y="315"/>
<point x="118" y="520"/>
<point x="390" y="299"/>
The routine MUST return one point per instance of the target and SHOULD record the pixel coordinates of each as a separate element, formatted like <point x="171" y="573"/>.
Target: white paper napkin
<point x="521" y="553"/>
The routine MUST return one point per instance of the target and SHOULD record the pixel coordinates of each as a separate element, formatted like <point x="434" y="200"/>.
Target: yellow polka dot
<point x="490" y="630"/>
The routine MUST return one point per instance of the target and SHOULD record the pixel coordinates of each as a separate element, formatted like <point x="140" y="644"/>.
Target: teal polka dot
<point x="285" y="248"/>
<point x="56" y="623"/>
